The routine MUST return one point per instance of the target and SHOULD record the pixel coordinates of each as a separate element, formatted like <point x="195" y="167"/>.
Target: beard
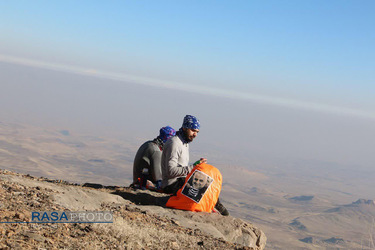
<point x="187" y="137"/>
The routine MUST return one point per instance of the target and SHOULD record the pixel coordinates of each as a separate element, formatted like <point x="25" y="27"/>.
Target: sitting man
<point x="175" y="158"/>
<point x="148" y="159"/>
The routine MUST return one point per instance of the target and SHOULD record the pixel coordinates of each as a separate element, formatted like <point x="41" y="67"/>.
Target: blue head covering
<point x="166" y="133"/>
<point x="191" y="122"/>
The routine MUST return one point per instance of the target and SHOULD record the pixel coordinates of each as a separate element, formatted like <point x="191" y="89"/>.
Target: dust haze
<point x="271" y="157"/>
<point x="242" y="128"/>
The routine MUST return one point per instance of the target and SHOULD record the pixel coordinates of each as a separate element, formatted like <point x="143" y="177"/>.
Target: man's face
<point x="199" y="180"/>
<point x="191" y="133"/>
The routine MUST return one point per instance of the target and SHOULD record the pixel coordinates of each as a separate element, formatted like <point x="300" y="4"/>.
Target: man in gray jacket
<point x="149" y="157"/>
<point x="175" y="159"/>
<point x="175" y="156"/>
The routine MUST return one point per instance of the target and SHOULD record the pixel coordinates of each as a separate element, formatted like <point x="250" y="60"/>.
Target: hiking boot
<point x="221" y="209"/>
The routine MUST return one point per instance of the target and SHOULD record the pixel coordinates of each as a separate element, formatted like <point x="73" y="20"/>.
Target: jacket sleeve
<point x="155" y="165"/>
<point x="174" y="169"/>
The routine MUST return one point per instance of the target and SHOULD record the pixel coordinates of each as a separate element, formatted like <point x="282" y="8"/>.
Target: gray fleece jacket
<point x="175" y="160"/>
<point x="148" y="156"/>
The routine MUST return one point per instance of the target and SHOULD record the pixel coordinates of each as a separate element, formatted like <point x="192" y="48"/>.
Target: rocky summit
<point x="140" y="219"/>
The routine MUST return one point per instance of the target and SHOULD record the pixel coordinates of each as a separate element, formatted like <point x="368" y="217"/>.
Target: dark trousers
<point x="174" y="187"/>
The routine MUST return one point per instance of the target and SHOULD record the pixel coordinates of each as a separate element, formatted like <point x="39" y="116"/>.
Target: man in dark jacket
<point x="148" y="158"/>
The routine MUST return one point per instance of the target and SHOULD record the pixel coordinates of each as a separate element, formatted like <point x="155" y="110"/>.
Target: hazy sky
<point x="318" y="51"/>
<point x="287" y="77"/>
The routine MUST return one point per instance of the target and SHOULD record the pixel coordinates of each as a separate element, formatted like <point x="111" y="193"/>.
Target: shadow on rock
<point x="139" y="197"/>
<point x="143" y="198"/>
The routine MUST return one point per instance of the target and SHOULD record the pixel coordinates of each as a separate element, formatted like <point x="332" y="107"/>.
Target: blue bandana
<point x="191" y="122"/>
<point x="166" y="133"/>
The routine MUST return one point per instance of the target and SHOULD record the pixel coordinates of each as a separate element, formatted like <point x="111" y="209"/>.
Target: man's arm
<point x="172" y="154"/>
<point x="155" y="165"/>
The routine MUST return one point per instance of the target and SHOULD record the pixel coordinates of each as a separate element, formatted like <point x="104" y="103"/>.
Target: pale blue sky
<point x="315" y="51"/>
<point x="267" y="79"/>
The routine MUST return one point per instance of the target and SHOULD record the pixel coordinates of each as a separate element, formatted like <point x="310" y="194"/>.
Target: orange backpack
<point x="200" y="191"/>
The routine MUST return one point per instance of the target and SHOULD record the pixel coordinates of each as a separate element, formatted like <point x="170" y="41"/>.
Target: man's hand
<point x="202" y="160"/>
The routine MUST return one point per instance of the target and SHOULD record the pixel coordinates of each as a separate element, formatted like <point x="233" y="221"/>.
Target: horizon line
<point x="204" y="90"/>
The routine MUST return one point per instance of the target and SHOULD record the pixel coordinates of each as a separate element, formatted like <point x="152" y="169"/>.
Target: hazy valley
<point x="305" y="207"/>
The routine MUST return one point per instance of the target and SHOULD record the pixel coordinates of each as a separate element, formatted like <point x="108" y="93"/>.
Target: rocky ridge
<point x="140" y="220"/>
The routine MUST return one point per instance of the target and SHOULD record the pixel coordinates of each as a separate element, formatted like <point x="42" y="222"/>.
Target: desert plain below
<point x="303" y="205"/>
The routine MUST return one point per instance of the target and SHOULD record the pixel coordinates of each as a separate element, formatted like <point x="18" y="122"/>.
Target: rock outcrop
<point x="140" y="219"/>
<point x="364" y="201"/>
